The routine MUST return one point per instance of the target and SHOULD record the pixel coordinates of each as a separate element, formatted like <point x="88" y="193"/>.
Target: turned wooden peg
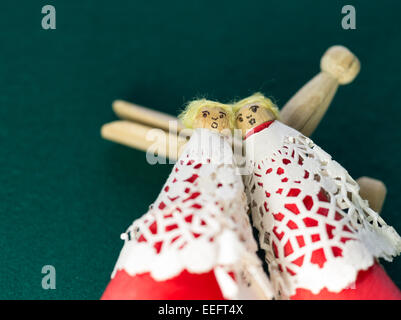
<point x="305" y="109"/>
<point x="133" y="112"/>
<point x="374" y="191"/>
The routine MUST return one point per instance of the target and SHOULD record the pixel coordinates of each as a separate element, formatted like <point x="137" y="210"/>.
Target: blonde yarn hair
<point x="260" y="100"/>
<point x="192" y="109"/>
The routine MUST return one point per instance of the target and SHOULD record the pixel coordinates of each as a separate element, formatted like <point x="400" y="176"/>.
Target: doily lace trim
<point x="381" y="239"/>
<point x="315" y="228"/>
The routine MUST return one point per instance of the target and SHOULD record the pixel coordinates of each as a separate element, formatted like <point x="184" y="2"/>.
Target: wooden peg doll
<point x="196" y="241"/>
<point x="320" y="238"/>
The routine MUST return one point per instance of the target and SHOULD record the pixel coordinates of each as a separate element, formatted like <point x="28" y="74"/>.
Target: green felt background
<point x="66" y="194"/>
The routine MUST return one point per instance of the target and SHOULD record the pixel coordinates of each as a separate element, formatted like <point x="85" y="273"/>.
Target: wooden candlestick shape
<point x="305" y="109"/>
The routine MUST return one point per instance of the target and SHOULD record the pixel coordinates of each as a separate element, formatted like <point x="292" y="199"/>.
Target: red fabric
<point x="185" y="286"/>
<point x="258" y="128"/>
<point x="372" y="284"/>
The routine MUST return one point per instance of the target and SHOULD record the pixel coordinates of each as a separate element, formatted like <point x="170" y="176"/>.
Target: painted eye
<point x="254" y="108"/>
<point x="204" y="114"/>
<point x="240" y="119"/>
<point x="222" y="115"/>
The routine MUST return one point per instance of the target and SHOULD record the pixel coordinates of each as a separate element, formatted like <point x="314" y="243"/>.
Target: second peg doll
<point x="196" y="241"/>
<point x="321" y="239"/>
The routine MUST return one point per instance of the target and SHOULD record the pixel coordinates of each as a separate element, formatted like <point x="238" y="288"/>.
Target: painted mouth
<point x="214" y="125"/>
<point x="252" y="121"/>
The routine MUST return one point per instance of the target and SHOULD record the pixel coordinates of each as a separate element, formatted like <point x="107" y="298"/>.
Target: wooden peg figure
<point x="320" y="238"/>
<point x="196" y="241"/>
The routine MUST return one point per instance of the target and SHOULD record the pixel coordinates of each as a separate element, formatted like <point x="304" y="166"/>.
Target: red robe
<point x="372" y="284"/>
<point x="196" y="241"/>
<point x="181" y="287"/>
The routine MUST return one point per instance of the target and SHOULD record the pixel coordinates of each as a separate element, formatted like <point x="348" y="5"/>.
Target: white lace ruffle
<point x="381" y="240"/>
<point x="196" y="242"/>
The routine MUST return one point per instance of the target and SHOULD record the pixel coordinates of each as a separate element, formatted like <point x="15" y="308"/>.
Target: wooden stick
<point x="307" y="107"/>
<point x="156" y="119"/>
<point x="142" y="137"/>
<point x="374" y="191"/>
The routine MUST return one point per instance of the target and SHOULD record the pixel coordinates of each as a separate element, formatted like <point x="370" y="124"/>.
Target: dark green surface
<point x="66" y="194"/>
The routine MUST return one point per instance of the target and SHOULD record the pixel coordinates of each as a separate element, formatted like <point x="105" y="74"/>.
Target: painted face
<point x="251" y="116"/>
<point x="213" y="118"/>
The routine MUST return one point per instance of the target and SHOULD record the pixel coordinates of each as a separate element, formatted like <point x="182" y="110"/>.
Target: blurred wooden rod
<point x="374" y="191"/>
<point x="130" y="111"/>
<point x="144" y="138"/>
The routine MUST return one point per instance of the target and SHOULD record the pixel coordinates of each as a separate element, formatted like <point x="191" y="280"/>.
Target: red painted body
<point x="185" y="286"/>
<point x="372" y="284"/>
